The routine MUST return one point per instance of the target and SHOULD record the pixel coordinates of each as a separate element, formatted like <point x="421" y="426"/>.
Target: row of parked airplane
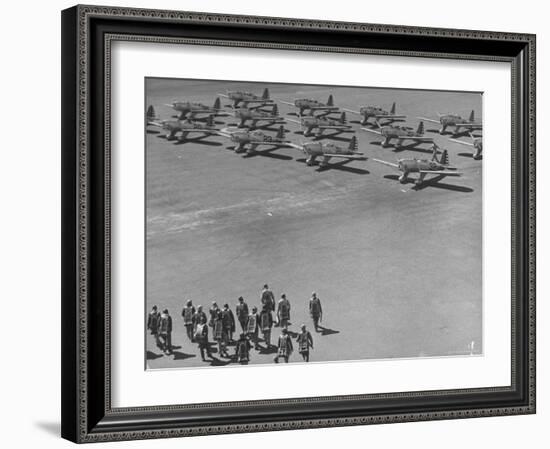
<point x="251" y="108"/>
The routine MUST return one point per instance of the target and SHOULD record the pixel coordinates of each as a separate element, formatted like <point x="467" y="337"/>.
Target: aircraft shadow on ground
<point x="338" y="166"/>
<point x="178" y="355"/>
<point x="334" y="136"/>
<point x="199" y="140"/>
<point x="469" y="155"/>
<point x="268" y="152"/>
<point x="152" y="355"/>
<point x="433" y="182"/>
<point x="152" y="131"/>
<point x="270" y="350"/>
<point x="327" y="331"/>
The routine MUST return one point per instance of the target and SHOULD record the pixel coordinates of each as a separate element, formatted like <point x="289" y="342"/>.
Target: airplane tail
<point x="281" y="132"/>
<point x="444" y="159"/>
<point x="420" y="129"/>
<point x="343" y="118"/>
<point x="392" y="110"/>
<point x="353" y="144"/>
<point x="330" y="101"/>
<point x="265" y="95"/>
<point x="472" y="116"/>
<point x="151" y="114"/>
<point x="275" y="111"/>
<point x="210" y="121"/>
<point x="217" y="103"/>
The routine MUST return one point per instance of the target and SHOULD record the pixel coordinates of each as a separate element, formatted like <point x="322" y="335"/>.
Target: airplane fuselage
<point x="175" y="126"/>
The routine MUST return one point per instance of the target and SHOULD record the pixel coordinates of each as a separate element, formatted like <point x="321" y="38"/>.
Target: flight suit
<point x="242" y="314"/>
<point x="305" y="341"/>
<point x="187" y="314"/>
<point x="165" y="332"/>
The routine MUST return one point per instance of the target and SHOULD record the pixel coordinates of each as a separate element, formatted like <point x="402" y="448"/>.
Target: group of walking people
<point x="255" y="325"/>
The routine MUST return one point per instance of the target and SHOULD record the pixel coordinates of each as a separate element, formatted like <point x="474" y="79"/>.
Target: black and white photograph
<point x="298" y="223"/>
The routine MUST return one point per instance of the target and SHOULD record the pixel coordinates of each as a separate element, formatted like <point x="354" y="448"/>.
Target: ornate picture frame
<point x="87" y="35"/>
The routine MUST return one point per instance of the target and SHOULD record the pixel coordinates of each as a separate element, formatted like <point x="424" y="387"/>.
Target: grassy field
<point x="398" y="269"/>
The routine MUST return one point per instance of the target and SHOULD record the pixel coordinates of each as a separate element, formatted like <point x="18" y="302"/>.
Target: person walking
<point x="315" y="311"/>
<point x="266" y="324"/>
<point x="242" y="313"/>
<point x="284" y="346"/>
<point x="165" y="332"/>
<point x="253" y="326"/>
<point x="187" y="313"/>
<point x="201" y="337"/>
<point x="283" y="312"/>
<point x="305" y="341"/>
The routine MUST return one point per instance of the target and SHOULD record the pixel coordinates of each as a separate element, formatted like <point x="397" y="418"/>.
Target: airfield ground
<point x="398" y="269"/>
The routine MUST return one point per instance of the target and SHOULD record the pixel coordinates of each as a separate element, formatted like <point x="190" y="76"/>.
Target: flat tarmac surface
<point x="398" y="269"/>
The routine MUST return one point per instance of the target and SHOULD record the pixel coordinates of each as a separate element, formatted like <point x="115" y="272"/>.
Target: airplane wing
<point x="294" y="145"/>
<point x="440" y="172"/>
<point x="323" y="108"/>
<point x="153" y="123"/>
<point x="344" y="156"/>
<point x="418" y="139"/>
<point x="352" y="111"/>
<point x="370" y="130"/>
<point x="390" y="164"/>
<point x="429" y="119"/>
<point x="470" y="125"/>
<point x="462" y="142"/>
<point x="390" y="116"/>
<point x="334" y="127"/>
<point x="294" y="121"/>
<point x="286" y="102"/>
<point x="223" y="95"/>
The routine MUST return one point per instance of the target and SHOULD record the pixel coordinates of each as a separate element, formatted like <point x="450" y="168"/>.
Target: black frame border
<point x="87" y="33"/>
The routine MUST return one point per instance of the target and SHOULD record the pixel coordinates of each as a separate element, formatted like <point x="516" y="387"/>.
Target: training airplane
<point x="377" y="113"/>
<point x="173" y="127"/>
<point x="476" y="142"/>
<point x="400" y="133"/>
<point x="457" y="121"/>
<point x="255" y="115"/>
<point x="254" y="138"/>
<point x="328" y="150"/>
<point x="313" y="105"/>
<point x="434" y="166"/>
<point x="239" y="96"/>
<point x="189" y="109"/>
<point x="321" y="123"/>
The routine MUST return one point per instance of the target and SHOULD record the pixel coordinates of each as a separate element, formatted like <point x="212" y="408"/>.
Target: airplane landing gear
<point x="310" y="161"/>
<point x="403" y="178"/>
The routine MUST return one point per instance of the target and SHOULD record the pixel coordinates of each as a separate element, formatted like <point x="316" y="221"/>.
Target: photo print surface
<point x="292" y="223"/>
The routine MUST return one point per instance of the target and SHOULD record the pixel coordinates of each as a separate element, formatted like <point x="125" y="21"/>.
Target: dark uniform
<point x="305" y="341"/>
<point x="242" y="313"/>
<point x="213" y="312"/>
<point x="198" y="317"/>
<point x="228" y="320"/>
<point x="201" y="337"/>
<point x="315" y="311"/>
<point x="153" y="324"/>
<point x="242" y="349"/>
<point x="165" y="332"/>
<point x="283" y="312"/>
<point x="187" y="314"/>
<point x="266" y="323"/>
<point x="284" y="347"/>
<point x="268" y="299"/>
<point x="220" y="335"/>
<point x="253" y="326"/>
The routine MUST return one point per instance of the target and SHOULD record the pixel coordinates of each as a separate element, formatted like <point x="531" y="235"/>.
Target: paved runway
<point x="398" y="269"/>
